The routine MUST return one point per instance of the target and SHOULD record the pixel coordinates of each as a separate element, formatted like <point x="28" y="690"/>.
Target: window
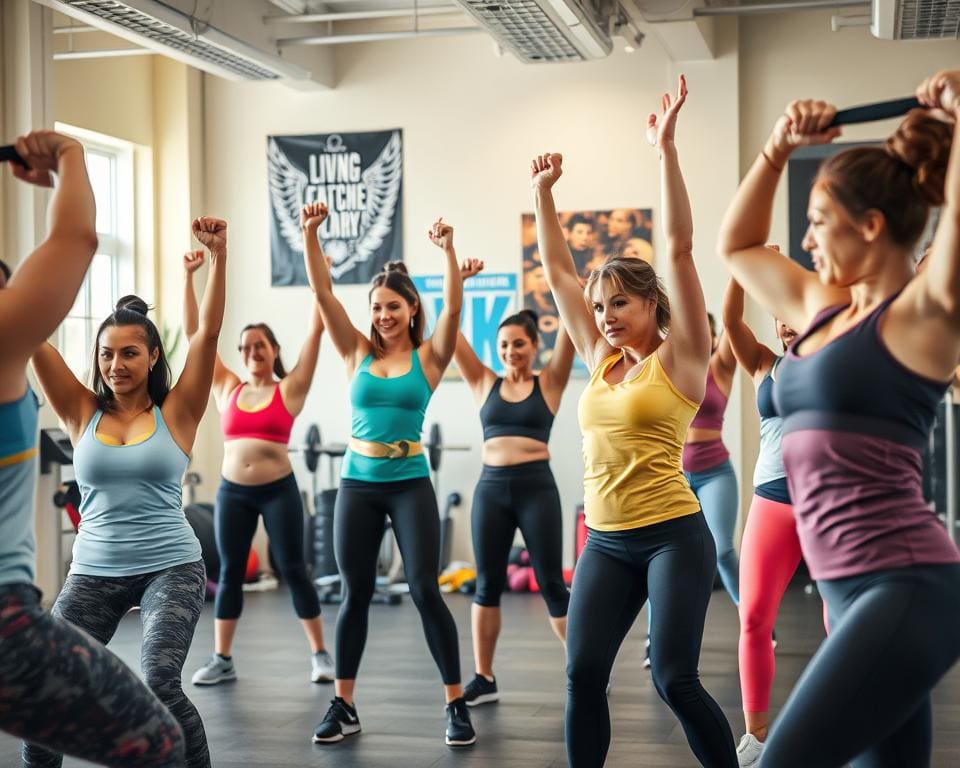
<point x="110" y="167"/>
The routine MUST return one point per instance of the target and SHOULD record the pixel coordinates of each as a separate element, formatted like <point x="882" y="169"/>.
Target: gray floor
<point x="265" y="719"/>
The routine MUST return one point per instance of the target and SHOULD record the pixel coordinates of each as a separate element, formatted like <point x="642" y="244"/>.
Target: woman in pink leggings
<point x="770" y="550"/>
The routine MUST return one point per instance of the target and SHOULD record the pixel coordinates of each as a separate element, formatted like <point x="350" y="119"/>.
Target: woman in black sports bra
<point x="516" y="488"/>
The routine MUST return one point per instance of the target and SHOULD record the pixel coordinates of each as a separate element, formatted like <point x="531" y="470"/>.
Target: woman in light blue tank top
<point x="394" y="371"/>
<point x="51" y="674"/>
<point x="132" y="434"/>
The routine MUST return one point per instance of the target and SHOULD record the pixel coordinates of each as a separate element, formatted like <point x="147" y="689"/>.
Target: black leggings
<point x="235" y="518"/>
<point x="864" y="698"/>
<point x="672" y="564"/>
<point x="170" y="603"/>
<point x="61" y="688"/>
<point x="359" y="518"/>
<point x="520" y="496"/>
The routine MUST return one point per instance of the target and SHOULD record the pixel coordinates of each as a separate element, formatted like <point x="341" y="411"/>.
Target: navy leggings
<point x="520" y="496"/>
<point x="672" y="564"/>
<point x="864" y="699"/>
<point x="235" y="517"/>
<point x="52" y="674"/>
<point x="359" y="518"/>
<point x="170" y="603"/>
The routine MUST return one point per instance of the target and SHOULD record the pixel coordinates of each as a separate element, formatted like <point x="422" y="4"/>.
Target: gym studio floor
<point x="266" y="718"/>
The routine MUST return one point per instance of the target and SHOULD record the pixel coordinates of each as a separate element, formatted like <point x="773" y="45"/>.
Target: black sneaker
<point x="480" y="691"/>
<point x="341" y="720"/>
<point x="460" y="732"/>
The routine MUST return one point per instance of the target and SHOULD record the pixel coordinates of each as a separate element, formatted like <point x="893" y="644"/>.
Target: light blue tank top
<point x="131" y="520"/>
<point x="770" y="459"/>
<point x="387" y="410"/>
<point x="18" y="473"/>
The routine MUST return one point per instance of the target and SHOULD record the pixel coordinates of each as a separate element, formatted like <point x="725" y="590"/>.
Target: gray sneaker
<point x="217" y="670"/>
<point x="323" y="670"/>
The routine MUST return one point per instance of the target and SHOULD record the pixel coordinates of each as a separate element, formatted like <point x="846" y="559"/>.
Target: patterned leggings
<point x="61" y="688"/>
<point x="170" y="603"/>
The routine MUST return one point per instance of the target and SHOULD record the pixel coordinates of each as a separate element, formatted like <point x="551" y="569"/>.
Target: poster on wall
<point x="593" y="237"/>
<point x="488" y="299"/>
<point x="359" y="177"/>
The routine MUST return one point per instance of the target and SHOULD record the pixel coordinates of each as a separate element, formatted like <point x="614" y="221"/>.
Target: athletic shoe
<point x="749" y="751"/>
<point x="646" y="654"/>
<point x="322" y="668"/>
<point x="460" y="732"/>
<point x="480" y="691"/>
<point x="341" y="720"/>
<point x="217" y="670"/>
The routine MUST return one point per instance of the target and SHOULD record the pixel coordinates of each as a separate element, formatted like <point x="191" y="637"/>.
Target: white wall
<point x="471" y="123"/>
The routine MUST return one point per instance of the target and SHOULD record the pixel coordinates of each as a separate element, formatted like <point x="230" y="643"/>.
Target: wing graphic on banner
<point x="382" y="183"/>
<point x="287" y="183"/>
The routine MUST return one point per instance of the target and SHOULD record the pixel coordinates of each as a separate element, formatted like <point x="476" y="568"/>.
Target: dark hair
<point x="5" y="269"/>
<point x="634" y="277"/>
<point x="132" y="310"/>
<point x="394" y="276"/>
<point x="902" y="180"/>
<point x="579" y="218"/>
<point x="526" y="319"/>
<point x="278" y="370"/>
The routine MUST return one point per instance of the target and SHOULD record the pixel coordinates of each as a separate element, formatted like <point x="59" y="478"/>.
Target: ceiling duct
<point x="538" y="31"/>
<point x="166" y="30"/>
<point x="916" y="19"/>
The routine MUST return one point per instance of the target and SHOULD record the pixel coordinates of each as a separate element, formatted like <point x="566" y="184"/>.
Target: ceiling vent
<point x="916" y="19"/>
<point x="538" y="31"/>
<point x="159" y="27"/>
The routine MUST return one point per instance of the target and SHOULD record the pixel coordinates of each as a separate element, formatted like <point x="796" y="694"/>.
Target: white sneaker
<point x="322" y="668"/>
<point x="749" y="751"/>
<point x="217" y="670"/>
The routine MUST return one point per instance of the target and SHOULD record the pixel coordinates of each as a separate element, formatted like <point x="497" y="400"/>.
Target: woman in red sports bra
<point x="256" y="417"/>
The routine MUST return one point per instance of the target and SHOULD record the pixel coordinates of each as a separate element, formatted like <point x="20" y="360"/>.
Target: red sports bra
<point x="272" y="423"/>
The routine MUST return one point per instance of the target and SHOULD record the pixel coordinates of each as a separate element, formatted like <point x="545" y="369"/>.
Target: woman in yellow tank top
<point x="647" y="537"/>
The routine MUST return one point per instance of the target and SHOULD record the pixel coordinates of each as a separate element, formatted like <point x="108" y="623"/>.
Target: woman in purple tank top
<point x="858" y="392"/>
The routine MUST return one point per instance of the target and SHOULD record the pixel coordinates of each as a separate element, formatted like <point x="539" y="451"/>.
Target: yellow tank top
<point x="633" y="435"/>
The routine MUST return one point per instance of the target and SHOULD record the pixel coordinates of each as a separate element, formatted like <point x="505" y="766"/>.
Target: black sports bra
<point x="528" y="418"/>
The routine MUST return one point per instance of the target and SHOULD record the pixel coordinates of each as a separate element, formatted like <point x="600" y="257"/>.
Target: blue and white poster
<point x="359" y="178"/>
<point x="488" y="299"/>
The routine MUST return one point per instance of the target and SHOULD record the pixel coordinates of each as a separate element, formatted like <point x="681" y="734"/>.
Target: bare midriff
<point x="250" y="461"/>
<point x="509" y="450"/>
<point x="697" y="435"/>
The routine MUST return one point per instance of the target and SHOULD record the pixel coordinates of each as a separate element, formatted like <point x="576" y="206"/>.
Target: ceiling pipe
<point x="312" y="18"/>
<point x="792" y="5"/>
<point x="375" y="37"/>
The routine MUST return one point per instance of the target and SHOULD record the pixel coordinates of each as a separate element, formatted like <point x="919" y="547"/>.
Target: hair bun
<point x="922" y="142"/>
<point x="395" y="266"/>
<point x="132" y="303"/>
<point x="529" y="313"/>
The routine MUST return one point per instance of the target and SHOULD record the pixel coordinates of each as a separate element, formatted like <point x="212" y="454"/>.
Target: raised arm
<point x="350" y="344"/>
<point x="443" y="342"/>
<point x="779" y="285"/>
<point x="187" y="401"/>
<point x="296" y="385"/>
<point x="73" y="403"/>
<point x="478" y="377"/>
<point x="689" y="338"/>
<point x="940" y="280"/>
<point x="558" y="265"/>
<point x="224" y="380"/>
<point x="755" y="358"/>
<point x="554" y="378"/>
<point x="44" y="287"/>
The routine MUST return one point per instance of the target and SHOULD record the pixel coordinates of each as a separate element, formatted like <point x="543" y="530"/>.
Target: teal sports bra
<point x="386" y="410"/>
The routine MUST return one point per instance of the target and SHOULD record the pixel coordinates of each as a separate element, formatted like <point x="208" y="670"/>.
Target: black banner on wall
<point x="359" y="176"/>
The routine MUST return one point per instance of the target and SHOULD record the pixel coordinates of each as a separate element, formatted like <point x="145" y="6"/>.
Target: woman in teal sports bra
<point x="394" y="371"/>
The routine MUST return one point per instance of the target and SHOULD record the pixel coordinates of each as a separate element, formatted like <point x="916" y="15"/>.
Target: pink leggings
<point x="769" y="556"/>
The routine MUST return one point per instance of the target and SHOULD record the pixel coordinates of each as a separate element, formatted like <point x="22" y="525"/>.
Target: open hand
<point x="471" y="267"/>
<point x="661" y="130"/>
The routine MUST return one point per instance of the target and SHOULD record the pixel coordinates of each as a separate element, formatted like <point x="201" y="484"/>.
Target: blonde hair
<point x="633" y="277"/>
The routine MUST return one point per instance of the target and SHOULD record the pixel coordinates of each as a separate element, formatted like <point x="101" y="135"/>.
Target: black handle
<point x="867" y="113"/>
<point x="9" y="154"/>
